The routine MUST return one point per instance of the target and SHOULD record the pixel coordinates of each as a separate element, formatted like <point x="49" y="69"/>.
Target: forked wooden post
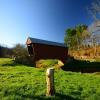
<point x="50" y="82"/>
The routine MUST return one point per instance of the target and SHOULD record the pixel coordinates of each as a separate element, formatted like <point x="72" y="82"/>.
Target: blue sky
<point x="43" y="19"/>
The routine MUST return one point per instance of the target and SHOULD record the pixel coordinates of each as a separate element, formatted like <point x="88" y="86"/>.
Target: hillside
<point x="89" y="53"/>
<point x="19" y="82"/>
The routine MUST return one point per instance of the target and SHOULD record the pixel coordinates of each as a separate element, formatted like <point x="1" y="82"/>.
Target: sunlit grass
<point x="21" y="82"/>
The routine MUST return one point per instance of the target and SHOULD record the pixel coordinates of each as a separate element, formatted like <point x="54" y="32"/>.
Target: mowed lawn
<point x="20" y="82"/>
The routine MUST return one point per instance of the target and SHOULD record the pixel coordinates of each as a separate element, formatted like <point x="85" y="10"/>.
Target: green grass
<point x="20" y="82"/>
<point x="5" y="61"/>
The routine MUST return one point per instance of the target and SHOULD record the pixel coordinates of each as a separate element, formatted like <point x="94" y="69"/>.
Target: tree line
<point x="5" y="51"/>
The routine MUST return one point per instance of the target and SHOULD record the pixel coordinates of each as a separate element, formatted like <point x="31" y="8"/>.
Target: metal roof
<point x="39" y="41"/>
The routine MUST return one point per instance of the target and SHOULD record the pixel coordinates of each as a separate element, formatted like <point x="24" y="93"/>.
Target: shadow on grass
<point x="81" y="66"/>
<point x="14" y="64"/>
<point x="57" y="96"/>
<point x="9" y="64"/>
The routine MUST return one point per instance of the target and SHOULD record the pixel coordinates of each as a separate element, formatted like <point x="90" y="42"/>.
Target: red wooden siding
<point x="49" y="52"/>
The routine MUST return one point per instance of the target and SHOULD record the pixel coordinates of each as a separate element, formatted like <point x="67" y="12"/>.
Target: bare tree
<point x="94" y="10"/>
<point x="95" y="36"/>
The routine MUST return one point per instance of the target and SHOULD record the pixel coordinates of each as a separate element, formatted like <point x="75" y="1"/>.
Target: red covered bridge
<point x="42" y="49"/>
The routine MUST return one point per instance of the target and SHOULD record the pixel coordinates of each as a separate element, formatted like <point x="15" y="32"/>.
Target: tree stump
<point x="50" y="82"/>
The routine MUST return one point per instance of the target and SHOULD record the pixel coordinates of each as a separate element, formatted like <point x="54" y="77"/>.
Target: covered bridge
<point x="42" y="49"/>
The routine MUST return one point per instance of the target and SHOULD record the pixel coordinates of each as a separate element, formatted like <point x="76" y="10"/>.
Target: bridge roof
<point x="46" y="42"/>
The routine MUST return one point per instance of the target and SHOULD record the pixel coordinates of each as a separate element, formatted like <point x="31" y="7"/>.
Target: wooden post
<point x="50" y="82"/>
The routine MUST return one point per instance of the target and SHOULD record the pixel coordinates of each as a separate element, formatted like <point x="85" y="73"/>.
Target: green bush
<point x="21" y="55"/>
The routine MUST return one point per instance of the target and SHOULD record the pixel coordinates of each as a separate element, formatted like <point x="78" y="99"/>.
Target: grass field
<point x="19" y="82"/>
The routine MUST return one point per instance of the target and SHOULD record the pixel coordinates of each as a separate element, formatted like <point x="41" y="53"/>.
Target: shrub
<point x="21" y="55"/>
